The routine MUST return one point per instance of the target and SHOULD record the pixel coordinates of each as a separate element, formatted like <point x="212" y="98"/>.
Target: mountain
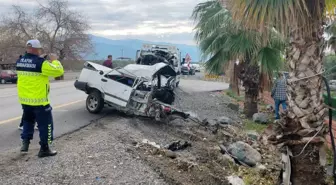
<point x="128" y="47"/>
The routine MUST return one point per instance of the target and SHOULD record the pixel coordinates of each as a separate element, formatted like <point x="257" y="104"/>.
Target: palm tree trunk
<point x="250" y="77"/>
<point x="306" y="111"/>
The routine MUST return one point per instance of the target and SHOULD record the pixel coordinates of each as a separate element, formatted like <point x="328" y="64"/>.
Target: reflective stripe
<point x="33" y="100"/>
<point x="26" y="73"/>
<point x="54" y="66"/>
<point x="49" y="134"/>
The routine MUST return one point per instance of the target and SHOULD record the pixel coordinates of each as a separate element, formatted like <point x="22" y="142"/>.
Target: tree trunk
<point x="61" y="58"/>
<point x="250" y="77"/>
<point x="306" y="111"/>
<point x="232" y="72"/>
<point x="306" y="169"/>
<point x="251" y="101"/>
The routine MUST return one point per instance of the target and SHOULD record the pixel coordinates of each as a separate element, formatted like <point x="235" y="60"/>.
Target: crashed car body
<point x="158" y="54"/>
<point x="133" y="89"/>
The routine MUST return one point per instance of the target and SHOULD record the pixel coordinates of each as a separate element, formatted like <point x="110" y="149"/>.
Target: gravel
<point x="90" y="156"/>
<point x="209" y="105"/>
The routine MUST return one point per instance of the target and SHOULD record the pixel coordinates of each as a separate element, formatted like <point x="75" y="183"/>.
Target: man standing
<point x="108" y="63"/>
<point x="21" y="123"/>
<point x="279" y="94"/>
<point x="33" y="89"/>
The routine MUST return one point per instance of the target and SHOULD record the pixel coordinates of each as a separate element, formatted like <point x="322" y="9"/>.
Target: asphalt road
<point x="69" y="113"/>
<point x="69" y="110"/>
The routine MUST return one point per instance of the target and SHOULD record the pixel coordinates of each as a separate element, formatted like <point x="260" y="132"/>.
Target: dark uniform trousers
<point x="43" y="116"/>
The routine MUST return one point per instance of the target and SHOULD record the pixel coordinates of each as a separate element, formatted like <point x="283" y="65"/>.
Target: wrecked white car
<point x="133" y="89"/>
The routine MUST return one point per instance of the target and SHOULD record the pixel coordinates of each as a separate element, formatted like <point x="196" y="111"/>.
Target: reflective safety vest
<point x="33" y="79"/>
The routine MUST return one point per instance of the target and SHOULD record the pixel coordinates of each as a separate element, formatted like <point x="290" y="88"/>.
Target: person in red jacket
<point x="108" y="63"/>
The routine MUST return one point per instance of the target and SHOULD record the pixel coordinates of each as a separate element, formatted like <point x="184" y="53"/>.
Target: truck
<point x="150" y="54"/>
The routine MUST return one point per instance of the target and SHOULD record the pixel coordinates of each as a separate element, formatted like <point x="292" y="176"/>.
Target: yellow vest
<point x="33" y="79"/>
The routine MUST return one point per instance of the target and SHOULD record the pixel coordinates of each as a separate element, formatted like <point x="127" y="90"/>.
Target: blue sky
<point x="153" y="20"/>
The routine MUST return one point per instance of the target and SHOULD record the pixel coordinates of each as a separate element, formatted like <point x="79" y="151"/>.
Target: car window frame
<point x="124" y="76"/>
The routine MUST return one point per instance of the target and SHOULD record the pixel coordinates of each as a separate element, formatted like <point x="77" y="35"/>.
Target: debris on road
<point x="145" y="141"/>
<point x="235" y="180"/>
<point x="178" y="145"/>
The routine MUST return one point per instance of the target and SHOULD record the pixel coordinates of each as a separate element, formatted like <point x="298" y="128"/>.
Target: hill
<point x="104" y="46"/>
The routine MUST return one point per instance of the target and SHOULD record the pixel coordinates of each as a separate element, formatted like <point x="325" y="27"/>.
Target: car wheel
<point x="94" y="102"/>
<point x="3" y="81"/>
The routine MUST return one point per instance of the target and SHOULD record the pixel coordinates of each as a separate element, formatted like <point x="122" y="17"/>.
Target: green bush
<point x="333" y="103"/>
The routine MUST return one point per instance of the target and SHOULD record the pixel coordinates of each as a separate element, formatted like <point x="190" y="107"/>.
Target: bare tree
<point x="60" y="30"/>
<point x="64" y="30"/>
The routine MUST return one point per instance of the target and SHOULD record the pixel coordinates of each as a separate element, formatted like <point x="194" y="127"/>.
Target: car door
<point x="116" y="92"/>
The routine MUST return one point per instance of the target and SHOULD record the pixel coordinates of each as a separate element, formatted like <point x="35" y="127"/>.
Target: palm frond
<point x="269" y="60"/>
<point x="285" y="15"/>
<point x="222" y="39"/>
<point x="216" y="62"/>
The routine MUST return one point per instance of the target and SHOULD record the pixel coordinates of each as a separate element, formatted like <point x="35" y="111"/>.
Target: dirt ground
<point x="119" y="150"/>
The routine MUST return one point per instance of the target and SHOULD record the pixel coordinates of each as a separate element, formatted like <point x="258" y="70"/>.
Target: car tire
<point x="94" y="102"/>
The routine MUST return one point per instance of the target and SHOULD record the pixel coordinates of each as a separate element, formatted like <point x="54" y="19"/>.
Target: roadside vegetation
<point x="223" y="41"/>
<point x="241" y="32"/>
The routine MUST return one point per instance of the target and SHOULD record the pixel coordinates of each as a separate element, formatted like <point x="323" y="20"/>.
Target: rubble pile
<point x="217" y="151"/>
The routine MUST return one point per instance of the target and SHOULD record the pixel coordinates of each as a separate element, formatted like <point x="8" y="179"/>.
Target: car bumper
<point x="13" y="80"/>
<point x="81" y="85"/>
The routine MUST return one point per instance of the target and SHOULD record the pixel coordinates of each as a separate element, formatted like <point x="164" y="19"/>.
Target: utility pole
<point x="122" y="52"/>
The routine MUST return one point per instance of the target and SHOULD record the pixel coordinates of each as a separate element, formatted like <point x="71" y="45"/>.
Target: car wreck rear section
<point x="153" y="54"/>
<point x="134" y="89"/>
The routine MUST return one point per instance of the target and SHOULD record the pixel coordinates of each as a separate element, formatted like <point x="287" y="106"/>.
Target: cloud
<point x="151" y="19"/>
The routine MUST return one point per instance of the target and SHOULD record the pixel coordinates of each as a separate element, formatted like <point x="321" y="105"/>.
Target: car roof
<point x="136" y="70"/>
<point x="148" y="71"/>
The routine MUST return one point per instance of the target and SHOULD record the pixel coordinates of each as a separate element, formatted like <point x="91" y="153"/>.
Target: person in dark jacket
<point x="108" y="63"/>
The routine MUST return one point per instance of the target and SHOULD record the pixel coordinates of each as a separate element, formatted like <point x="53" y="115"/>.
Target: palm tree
<point x="223" y="40"/>
<point x="302" y="130"/>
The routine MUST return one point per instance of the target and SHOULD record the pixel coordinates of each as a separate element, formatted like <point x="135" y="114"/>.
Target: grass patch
<point x="253" y="176"/>
<point x="251" y="125"/>
<point x="329" y="179"/>
<point x="329" y="156"/>
<point x="233" y="95"/>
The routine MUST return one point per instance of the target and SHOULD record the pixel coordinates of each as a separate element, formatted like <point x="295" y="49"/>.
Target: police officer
<point x="33" y="88"/>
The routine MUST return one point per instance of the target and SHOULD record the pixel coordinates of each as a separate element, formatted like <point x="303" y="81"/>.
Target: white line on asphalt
<point x="8" y="95"/>
<point x="56" y="107"/>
